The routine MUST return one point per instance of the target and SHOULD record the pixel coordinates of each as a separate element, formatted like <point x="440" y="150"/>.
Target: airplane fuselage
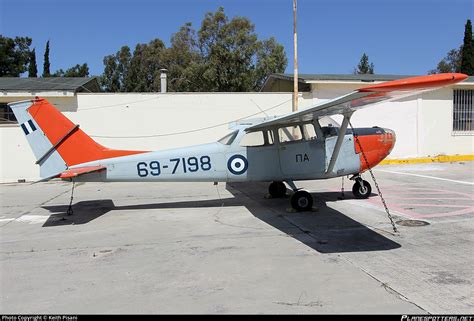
<point x="217" y="162"/>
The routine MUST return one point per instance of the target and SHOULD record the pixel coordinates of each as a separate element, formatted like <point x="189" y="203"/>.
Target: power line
<point x="117" y="105"/>
<point x="198" y="129"/>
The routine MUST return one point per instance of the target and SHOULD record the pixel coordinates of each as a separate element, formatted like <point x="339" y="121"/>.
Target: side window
<point x="252" y="139"/>
<point x="270" y="138"/>
<point x="289" y="134"/>
<point x="308" y="132"/>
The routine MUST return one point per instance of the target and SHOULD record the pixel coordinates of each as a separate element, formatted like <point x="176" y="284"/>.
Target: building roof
<point x="305" y="79"/>
<point x="74" y="84"/>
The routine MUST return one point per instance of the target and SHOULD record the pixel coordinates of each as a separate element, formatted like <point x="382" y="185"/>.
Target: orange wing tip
<point x="71" y="173"/>
<point x="417" y="83"/>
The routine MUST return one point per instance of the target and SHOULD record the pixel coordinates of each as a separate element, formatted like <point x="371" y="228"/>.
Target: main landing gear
<point x="361" y="188"/>
<point x="277" y="189"/>
<point x="300" y="200"/>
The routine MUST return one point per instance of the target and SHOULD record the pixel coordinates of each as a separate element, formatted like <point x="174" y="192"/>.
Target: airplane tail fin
<point x="57" y="143"/>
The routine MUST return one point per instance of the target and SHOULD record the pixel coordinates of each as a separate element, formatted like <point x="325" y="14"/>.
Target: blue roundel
<point x="237" y="164"/>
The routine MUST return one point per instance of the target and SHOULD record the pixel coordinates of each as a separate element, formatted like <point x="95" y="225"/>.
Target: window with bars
<point x="6" y="115"/>
<point x="463" y="112"/>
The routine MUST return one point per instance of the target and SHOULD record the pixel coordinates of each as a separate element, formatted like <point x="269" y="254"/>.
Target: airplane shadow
<point x="325" y="230"/>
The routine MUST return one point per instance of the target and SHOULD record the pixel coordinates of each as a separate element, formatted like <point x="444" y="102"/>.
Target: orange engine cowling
<point x="376" y="144"/>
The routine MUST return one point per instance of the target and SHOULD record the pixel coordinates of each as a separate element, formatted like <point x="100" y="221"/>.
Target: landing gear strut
<point x="361" y="188"/>
<point x="277" y="189"/>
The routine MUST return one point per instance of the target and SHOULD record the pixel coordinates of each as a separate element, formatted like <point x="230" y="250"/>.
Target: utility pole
<point x="295" y="61"/>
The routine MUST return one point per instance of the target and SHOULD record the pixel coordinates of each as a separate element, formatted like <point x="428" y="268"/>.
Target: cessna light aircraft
<point x="302" y="145"/>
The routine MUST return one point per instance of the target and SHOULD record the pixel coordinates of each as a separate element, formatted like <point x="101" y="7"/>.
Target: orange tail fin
<point x="57" y="142"/>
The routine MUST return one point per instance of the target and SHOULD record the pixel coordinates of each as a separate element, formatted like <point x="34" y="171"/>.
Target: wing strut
<point x="340" y="138"/>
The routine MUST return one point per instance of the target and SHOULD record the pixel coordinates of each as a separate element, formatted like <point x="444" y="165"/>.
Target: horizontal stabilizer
<point x="75" y="172"/>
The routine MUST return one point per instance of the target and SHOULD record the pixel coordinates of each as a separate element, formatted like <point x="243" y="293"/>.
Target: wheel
<point x="361" y="189"/>
<point x="302" y="201"/>
<point x="277" y="189"/>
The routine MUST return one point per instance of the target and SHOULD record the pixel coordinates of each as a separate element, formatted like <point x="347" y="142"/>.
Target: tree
<point x="46" y="64"/>
<point x="223" y="55"/>
<point x="450" y="63"/>
<point x="183" y="61"/>
<point x="145" y="64"/>
<point x="76" y="71"/>
<point x="364" y="67"/>
<point x="32" y="68"/>
<point x="14" y="55"/>
<point x="233" y="57"/>
<point x="271" y="58"/>
<point x="116" y="70"/>
<point x="467" y="53"/>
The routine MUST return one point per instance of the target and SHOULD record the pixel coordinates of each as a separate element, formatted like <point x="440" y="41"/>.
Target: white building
<point x="431" y="124"/>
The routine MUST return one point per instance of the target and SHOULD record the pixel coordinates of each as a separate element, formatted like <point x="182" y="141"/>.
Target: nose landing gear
<point x="361" y="188"/>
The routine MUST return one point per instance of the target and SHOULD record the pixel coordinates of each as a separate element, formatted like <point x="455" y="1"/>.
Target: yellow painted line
<point x="436" y="159"/>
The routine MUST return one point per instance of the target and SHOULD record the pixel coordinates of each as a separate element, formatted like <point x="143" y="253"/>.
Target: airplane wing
<point x="74" y="172"/>
<point x="363" y="97"/>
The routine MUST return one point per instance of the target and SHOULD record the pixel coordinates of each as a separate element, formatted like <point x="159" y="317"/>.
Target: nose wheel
<point x="361" y="188"/>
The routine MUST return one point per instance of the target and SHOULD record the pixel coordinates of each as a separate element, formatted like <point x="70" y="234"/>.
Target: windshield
<point x="229" y="138"/>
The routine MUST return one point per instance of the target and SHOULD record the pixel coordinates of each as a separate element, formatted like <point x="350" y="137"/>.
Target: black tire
<point x="363" y="190"/>
<point x="302" y="201"/>
<point x="277" y="189"/>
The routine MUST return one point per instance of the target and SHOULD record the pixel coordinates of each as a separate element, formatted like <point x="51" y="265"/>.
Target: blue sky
<point x="400" y="37"/>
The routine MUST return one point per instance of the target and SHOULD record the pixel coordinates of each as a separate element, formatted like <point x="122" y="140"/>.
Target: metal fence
<point x="463" y="112"/>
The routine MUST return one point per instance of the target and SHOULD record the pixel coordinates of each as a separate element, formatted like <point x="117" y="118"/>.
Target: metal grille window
<point x="6" y="115"/>
<point x="463" y="112"/>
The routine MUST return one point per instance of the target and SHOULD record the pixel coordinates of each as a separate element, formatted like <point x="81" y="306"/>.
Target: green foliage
<point x="223" y="55"/>
<point x="116" y="70"/>
<point x="450" y="63"/>
<point x="76" y="71"/>
<point x="46" y="64"/>
<point x="144" y="71"/>
<point x="32" y="68"/>
<point x="459" y="60"/>
<point x="364" y="67"/>
<point x="467" y="53"/>
<point x="183" y="61"/>
<point x="14" y="55"/>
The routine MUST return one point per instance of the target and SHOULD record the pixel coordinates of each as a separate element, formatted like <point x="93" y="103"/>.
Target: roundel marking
<point x="237" y="164"/>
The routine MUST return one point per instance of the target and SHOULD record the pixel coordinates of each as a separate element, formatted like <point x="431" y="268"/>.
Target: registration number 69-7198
<point x="179" y="165"/>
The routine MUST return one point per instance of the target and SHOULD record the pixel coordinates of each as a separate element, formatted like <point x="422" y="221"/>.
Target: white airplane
<point x="302" y="145"/>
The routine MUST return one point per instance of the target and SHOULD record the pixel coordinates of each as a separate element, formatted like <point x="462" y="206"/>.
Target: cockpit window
<point x="289" y="134"/>
<point x="229" y="138"/>
<point x="253" y="139"/>
<point x="309" y="132"/>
